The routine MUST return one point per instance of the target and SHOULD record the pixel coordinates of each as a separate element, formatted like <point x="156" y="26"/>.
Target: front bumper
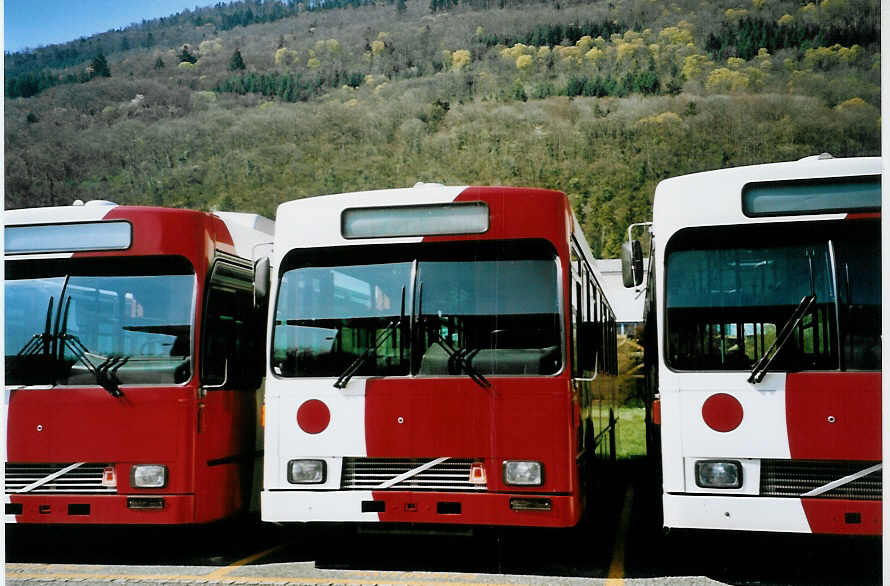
<point x="417" y="507"/>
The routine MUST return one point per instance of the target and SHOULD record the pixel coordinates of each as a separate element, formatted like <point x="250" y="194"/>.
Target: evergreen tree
<point x="99" y="67"/>
<point x="236" y="63"/>
<point x="159" y="64"/>
<point x="401" y="6"/>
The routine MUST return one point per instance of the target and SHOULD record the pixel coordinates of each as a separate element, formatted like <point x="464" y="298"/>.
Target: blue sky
<point x="35" y="23"/>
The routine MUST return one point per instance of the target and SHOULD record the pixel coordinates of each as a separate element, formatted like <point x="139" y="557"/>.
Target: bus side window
<point x="231" y="348"/>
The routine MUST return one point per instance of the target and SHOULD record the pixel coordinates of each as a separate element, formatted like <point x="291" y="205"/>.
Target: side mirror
<point x="631" y="263"/>
<point x="261" y="281"/>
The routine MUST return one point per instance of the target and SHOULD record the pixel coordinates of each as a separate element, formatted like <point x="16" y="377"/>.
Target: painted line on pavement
<point x="216" y="575"/>
<point x="616" y="568"/>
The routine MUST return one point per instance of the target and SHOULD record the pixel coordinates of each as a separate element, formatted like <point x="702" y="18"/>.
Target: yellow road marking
<point x="243" y="562"/>
<point x="616" y="568"/>
<point x="154" y="578"/>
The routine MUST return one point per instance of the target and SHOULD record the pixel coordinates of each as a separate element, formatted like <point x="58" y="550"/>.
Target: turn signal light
<point x="108" y="477"/>
<point x="477" y="473"/>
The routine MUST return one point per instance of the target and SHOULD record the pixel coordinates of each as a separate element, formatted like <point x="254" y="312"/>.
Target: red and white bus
<point x="133" y="359"/>
<point x="763" y="334"/>
<point x="437" y="355"/>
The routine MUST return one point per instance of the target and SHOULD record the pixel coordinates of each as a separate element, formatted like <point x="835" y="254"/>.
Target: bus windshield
<point x="729" y="290"/>
<point x="66" y="321"/>
<point x="434" y="309"/>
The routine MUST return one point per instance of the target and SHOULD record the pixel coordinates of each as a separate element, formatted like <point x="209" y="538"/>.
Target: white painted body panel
<point x="284" y="440"/>
<point x="739" y="513"/>
<point x="315" y="222"/>
<point x="339" y="506"/>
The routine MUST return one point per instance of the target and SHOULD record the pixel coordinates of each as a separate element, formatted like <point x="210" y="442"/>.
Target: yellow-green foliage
<point x="186" y="66"/>
<point x="286" y="57"/>
<point x="570" y="55"/>
<point x="377" y="46"/>
<point x="524" y="62"/>
<point x="723" y="79"/>
<point x="516" y="50"/>
<point x="675" y="35"/>
<point x="594" y="55"/>
<point x="827" y="57"/>
<point x="210" y="47"/>
<point x="735" y="13"/>
<point x="313" y="63"/>
<point x="460" y="59"/>
<point x="663" y="119"/>
<point x="785" y="19"/>
<point x="695" y="66"/>
<point x="852" y="104"/>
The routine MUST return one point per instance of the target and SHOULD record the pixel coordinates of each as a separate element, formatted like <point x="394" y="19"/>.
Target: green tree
<point x="99" y="66"/>
<point x="159" y="64"/>
<point x="236" y="63"/>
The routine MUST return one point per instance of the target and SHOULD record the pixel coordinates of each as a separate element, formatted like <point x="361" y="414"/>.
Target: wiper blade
<point x="40" y="342"/>
<point x="462" y="359"/>
<point x="356" y="364"/>
<point x="382" y="337"/>
<point x="762" y="366"/>
<point x="106" y="372"/>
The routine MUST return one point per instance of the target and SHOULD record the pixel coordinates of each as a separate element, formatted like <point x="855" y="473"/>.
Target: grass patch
<point x="630" y="440"/>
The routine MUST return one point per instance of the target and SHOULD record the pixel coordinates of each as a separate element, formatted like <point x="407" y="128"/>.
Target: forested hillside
<point x="244" y="105"/>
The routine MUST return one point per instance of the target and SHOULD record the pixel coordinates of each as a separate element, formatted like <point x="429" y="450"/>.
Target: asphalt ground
<point x="619" y="541"/>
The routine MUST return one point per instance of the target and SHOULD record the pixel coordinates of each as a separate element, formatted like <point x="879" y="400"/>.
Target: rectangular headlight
<point x="718" y="474"/>
<point x="523" y="473"/>
<point x="148" y="476"/>
<point x="306" y="471"/>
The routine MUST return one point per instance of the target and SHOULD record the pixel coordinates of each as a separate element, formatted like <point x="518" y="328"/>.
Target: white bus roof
<point x="715" y="197"/>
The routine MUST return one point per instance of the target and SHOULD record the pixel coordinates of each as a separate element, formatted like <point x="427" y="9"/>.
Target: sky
<point x="35" y="23"/>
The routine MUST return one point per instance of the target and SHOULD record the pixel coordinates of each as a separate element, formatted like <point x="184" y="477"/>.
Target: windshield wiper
<point x="762" y="366"/>
<point x="461" y="358"/>
<point x="382" y="337"/>
<point x="106" y="373"/>
<point x="40" y="342"/>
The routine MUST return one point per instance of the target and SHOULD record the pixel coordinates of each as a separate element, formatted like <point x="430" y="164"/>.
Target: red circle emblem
<point x="722" y="412"/>
<point x="313" y="416"/>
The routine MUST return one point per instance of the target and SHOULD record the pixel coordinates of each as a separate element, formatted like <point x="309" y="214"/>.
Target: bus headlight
<point x="718" y="474"/>
<point x="306" y="471"/>
<point x="148" y="476"/>
<point x="523" y="473"/>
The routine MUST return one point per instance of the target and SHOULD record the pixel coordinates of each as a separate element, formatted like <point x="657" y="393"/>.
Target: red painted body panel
<point x="157" y="425"/>
<point x="476" y="509"/>
<point x="178" y="509"/>
<point x="146" y="425"/>
<point x="515" y="419"/>
<point x="830" y="516"/>
<point x="852" y="399"/>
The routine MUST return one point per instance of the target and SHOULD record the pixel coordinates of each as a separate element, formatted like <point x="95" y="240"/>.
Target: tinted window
<point x="496" y="304"/>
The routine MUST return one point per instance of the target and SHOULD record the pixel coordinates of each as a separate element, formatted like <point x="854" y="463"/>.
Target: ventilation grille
<point x="796" y="477"/>
<point x="83" y="479"/>
<point x="369" y="473"/>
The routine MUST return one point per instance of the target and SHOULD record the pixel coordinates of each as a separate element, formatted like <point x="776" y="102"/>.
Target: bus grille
<point x="83" y="479"/>
<point x="795" y="477"/>
<point x="368" y="473"/>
